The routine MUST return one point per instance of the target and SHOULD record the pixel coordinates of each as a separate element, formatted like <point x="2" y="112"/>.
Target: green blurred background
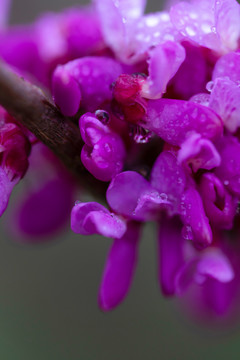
<point x="48" y="299"/>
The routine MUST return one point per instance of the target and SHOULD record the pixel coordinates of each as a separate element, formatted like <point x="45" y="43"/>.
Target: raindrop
<point x="102" y="116"/>
<point x="210" y="86"/>
<point x="140" y="135"/>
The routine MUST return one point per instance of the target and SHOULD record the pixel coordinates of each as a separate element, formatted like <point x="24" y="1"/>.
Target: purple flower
<point x="157" y="99"/>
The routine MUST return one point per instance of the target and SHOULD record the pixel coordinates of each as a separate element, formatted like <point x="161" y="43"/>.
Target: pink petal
<point x="227" y="18"/>
<point x="165" y="60"/>
<point x="224" y="100"/>
<point x="46" y="209"/>
<point x="173" y="120"/>
<point x="89" y="80"/>
<point x="93" y="218"/>
<point x="193" y="214"/>
<point x="168" y="178"/>
<point x="124" y="192"/>
<point x="170" y="254"/>
<point x="219" y="205"/>
<point x="215" y="264"/>
<point x="119" y="269"/>
<point x="196" y="22"/>
<point x="228" y="66"/>
<point x="199" y="153"/>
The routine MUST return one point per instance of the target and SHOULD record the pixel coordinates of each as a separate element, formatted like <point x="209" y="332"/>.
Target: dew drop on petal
<point x="209" y="86"/>
<point x="102" y="116"/>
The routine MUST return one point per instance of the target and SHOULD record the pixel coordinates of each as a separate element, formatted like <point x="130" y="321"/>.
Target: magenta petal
<point x="170" y="254"/>
<point x="227" y="17"/>
<point x="215" y="264"/>
<point x="185" y="276"/>
<point x="168" y="178"/>
<point x="149" y="205"/>
<point x="106" y="224"/>
<point x="196" y="22"/>
<point x="116" y="26"/>
<point x="173" y="120"/>
<point x="224" y="100"/>
<point x="4" y="13"/>
<point x="91" y="129"/>
<point x="199" y="153"/>
<point x="119" y="269"/>
<point x="66" y="92"/>
<point x="218" y="297"/>
<point x="124" y="192"/>
<point x="228" y="66"/>
<point x="229" y="171"/>
<point x="93" y="218"/>
<point x="193" y="214"/>
<point x="88" y="79"/>
<point x="105" y="159"/>
<point x="191" y="77"/>
<point x="45" y="210"/>
<point x="165" y="60"/>
<point x="6" y="187"/>
<point x="219" y="205"/>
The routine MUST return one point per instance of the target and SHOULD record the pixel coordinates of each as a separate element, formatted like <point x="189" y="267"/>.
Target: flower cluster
<point x="157" y="100"/>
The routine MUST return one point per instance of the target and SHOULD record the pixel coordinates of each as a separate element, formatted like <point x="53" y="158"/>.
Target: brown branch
<point x="28" y="105"/>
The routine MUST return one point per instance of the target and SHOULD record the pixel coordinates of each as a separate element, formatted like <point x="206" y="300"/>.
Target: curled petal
<point x="216" y="265"/>
<point x="93" y="218"/>
<point x="219" y="205"/>
<point x="173" y="120"/>
<point x="106" y="158"/>
<point x="193" y="214"/>
<point x="91" y="129"/>
<point x="199" y="153"/>
<point x="119" y="268"/>
<point x="165" y="60"/>
<point x="209" y="264"/>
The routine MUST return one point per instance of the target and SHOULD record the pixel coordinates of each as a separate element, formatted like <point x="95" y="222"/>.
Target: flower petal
<point x="119" y="269"/>
<point x="93" y="218"/>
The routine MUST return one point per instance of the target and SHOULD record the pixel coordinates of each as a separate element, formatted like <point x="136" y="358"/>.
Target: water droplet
<point x="163" y="197"/>
<point x="209" y="86"/>
<point x="214" y="30"/>
<point x="187" y="233"/>
<point x="226" y="182"/>
<point x="102" y="116"/>
<point x="140" y="135"/>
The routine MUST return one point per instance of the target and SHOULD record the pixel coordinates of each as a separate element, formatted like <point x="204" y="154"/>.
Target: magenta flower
<point x="153" y="105"/>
